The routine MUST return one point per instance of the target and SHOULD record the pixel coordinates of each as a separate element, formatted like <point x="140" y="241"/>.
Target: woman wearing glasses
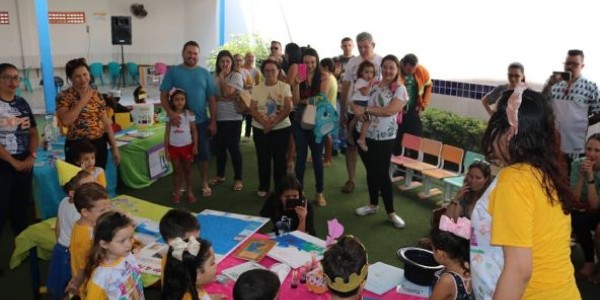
<point x="516" y="75"/>
<point x="83" y="111"/>
<point x="18" y="143"/>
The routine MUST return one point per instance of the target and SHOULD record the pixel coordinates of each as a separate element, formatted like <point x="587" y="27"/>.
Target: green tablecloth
<point x="41" y="235"/>
<point x="134" y="159"/>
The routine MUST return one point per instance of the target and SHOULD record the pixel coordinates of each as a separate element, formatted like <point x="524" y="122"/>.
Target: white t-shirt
<point x="487" y="261"/>
<point x="181" y="135"/>
<point x="571" y="106"/>
<point x="351" y="75"/>
<point x="270" y="99"/>
<point x="357" y="95"/>
<point x="67" y="216"/>
<point x="383" y="128"/>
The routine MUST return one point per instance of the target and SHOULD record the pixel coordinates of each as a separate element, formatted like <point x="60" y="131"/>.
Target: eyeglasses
<point x="572" y="63"/>
<point x="10" y="78"/>
<point x="514" y="75"/>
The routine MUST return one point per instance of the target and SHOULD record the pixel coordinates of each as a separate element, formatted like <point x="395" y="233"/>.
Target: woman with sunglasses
<point x="83" y="111"/>
<point x="18" y="143"/>
<point x="516" y="75"/>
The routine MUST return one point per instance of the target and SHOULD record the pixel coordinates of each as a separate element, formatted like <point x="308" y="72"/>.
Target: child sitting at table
<point x="288" y="209"/>
<point x="181" y="143"/>
<point x="60" y="269"/>
<point x="345" y="268"/>
<point x="140" y="95"/>
<point x="112" y="271"/>
<point x="91" y="200"/>
<point x="177" y="223"/>
<point x="257" y="284"/>
<point x="85" y="157"/>
<point x="190" y="265"/>
<point x="451" y="248"/>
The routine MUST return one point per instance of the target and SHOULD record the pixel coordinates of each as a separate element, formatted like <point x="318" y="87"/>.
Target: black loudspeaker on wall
<point x="121" y="30"/>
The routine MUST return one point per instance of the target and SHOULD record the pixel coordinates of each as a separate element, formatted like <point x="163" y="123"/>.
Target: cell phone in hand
<point x="302" y="72"/>
<point x="565" y="75"/>
<point x="291" y="204"/>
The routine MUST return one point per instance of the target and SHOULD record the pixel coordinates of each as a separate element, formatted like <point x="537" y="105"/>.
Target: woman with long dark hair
<point x="525" y="213"/>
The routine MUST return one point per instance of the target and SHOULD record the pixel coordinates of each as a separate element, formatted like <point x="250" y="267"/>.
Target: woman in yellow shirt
<point x="531" y="202"/>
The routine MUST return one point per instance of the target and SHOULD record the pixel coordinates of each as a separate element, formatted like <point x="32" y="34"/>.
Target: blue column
<point x="221" y="22"/>
<point x="41" y="14"/>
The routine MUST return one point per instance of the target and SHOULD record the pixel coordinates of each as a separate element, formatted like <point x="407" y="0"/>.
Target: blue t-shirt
<point x="197" y="83"/>
<point x="16" y="118"/>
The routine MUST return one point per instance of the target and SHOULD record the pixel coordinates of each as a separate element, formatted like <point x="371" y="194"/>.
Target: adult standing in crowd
<point x="305" y="138"/>
<point x="419" y="86"/>
<point x="347" y="45"/>
<point x="18" y="144"/>
<point x="293" y="56"/>
<point x="573" y="101"/>
<point x="585" y="217"/>
<point x="366" y="47"/>
<point x="516" y="75"/>
<point x="249" y="83"/>
<point x="270" y="109"/>
<point x="200" y="89"/>
<point x="83" y="111"/>
<point x="277" y="55"/>
<point x="522" y="225"/>
<point x="229" y="122"/>
<point x="387" y="98"/>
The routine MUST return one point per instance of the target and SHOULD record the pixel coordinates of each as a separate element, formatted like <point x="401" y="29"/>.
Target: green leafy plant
<point x="242" y="44"/>
<point x="450" y="128"/>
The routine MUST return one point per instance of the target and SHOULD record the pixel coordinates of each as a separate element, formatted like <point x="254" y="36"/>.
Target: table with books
<point x="137" y="170"/>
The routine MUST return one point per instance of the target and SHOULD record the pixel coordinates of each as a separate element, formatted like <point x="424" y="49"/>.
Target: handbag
<point x="241" y="101"/>
<point x="309" y="117"/>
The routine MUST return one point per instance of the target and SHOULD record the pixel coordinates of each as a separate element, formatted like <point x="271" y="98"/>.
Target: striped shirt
<point x="225" y="107"/>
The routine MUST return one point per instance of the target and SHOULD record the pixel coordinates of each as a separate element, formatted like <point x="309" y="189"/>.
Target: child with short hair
<point x="112" y="271"/>
<point x="345" y="267"/>
<point x="91" y="200"/>
<point x="451" y="249"/>
<point x="181" y="143"/>
<point x="60" y="261"/>
<point x="85" y="157"/>
<point x="257" y="284"/>
<point x="360" y="97"/>
<point x="190" y="265"/>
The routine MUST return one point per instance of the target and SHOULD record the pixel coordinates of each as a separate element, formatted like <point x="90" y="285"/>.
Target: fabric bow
<point x="179" y="246"/>
<point x="173" y="90"/>
<point x="334" y="230"/>
<point x="512" y="108"/>
<point x="461" y="228"/>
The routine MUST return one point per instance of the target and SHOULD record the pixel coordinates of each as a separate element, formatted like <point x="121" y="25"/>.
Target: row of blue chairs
<point x="114" y="71"/>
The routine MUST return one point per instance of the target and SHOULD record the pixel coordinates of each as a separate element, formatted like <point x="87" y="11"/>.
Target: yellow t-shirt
<point x="522" y="216"/>
<point x="80" y="245"/>
<point x="269" y="100"/>
<point x="332" y="91"/>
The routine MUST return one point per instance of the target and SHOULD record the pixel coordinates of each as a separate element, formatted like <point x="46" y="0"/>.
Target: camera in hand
<point x="566" y="76"/>
<point x="291" y="204"/>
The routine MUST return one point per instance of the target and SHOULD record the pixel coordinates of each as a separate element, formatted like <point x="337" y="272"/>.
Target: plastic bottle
<point x="48" y="133"/>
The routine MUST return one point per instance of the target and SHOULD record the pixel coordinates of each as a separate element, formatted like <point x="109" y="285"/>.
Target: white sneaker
<point x="397" y="221"/>
<point x="366" y="210"/>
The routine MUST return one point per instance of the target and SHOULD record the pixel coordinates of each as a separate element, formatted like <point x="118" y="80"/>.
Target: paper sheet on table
<point x="383" y="277"/>
<point x="296" y="249"/>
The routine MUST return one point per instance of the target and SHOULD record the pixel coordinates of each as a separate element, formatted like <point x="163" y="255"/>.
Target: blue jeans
<point x="305" y="139"/>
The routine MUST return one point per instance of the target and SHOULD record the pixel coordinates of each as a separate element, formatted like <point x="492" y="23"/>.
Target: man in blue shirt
<point x="199" y="86"/>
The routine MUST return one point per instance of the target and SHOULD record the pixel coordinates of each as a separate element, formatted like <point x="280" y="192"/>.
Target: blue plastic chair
<point x="97" y="71"/>
<point x="134" y="71"/>
<point x="457" y="182"/>
<point x="114" y="70"/>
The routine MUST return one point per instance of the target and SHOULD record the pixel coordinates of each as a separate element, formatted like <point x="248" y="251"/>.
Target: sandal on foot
<point x="175" y="198"/>
<point x="191" y="198"/>
<point x="348" y="187"/>
<point x="216" y="180"/>
<point x="320" y="199"/>
<point x="237" y="186"/>
<point x="206" y="192"/>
